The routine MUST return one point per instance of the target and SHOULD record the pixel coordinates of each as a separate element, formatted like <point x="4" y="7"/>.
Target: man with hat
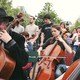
<point x="14" y="44"/>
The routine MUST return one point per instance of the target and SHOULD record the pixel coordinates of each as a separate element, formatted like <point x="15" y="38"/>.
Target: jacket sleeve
<point x="18" y="54"/>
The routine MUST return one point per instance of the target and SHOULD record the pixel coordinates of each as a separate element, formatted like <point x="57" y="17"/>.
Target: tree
<point x="77" y="23"/>
<point x="7" y="5"/>
<point x="47" y="10"/>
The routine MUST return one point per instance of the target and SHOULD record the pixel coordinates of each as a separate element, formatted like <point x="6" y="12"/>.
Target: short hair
<point x="26" y="34"/>
<point x="56" y="27"/>
<point x="47" y="16"/>
<point x="33" y="17"/>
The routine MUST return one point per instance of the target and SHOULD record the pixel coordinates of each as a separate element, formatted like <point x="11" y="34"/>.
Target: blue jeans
<point x="75" y="47"/>
<point x="61" y="68"/>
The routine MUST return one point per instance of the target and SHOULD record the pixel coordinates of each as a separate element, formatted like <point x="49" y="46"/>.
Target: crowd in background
<point x="37" y="36"/>
<point x="36" y="41"/>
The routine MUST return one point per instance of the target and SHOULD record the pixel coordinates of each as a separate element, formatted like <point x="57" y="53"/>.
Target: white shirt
<point x="18" y="29"/>
<point x="75" y="35"/>
<point x="32" y="29"/>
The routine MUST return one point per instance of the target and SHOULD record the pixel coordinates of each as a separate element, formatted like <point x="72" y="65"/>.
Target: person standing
<point x="32" y="29"/>
<point x="46" y="29"/>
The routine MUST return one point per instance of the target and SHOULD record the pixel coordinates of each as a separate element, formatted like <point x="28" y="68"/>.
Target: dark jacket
<point x="77" y="55"/>
<point x="17" y="52"/>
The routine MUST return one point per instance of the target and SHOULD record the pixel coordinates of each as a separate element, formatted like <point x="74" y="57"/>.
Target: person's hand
<point x="4" y="36"/>
<point x="59" y="38"/>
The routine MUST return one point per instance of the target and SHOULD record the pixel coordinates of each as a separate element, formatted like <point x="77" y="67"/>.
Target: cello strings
<point x="76" y="70"/>
<point x="77" y="73"/>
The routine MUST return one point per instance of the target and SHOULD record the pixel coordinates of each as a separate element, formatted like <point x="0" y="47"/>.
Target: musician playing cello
<point x="57" y="36"/>
<point x="14" y="44"/>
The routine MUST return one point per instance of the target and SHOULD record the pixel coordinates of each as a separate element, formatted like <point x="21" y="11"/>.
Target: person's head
<point x="78" y="31"/>
<point x="62" y="24"/>
<point x="66" y="35"/>
<point x="25" y="34"/>
<point x="19" y="15"/>
<point x="63" y="27"/>
<point x="74" y="31"/>
<point x="55" y="29"/>
<point x="47" y="19"/>
<point x="32" y="19"/>
<point x="4" y="19"/>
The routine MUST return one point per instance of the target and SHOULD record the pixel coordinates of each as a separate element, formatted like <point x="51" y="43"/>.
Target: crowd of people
<point x="31" y="45"/>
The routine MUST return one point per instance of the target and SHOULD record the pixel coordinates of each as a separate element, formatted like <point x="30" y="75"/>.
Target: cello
<point x="7" y="65"/>
<point x="73" y="72"/>
<point x="46" y="66"/>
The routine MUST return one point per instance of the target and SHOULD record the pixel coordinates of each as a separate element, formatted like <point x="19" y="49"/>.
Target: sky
<point x="67" y="10"/>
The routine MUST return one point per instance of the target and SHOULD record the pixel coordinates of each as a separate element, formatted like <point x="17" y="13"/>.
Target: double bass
<point x="73" y="72"/>
<point x="7" y="65"/>
<point x="45" y="68"/>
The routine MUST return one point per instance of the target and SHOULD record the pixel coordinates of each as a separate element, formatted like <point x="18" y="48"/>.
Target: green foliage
<point x="7" y="5"/>
<point x="77" y="24"/>
<point x="47" y="10"/>
<point x="26" y="20"/>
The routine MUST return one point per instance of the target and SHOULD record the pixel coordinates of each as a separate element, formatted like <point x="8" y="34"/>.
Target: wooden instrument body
<point x="73" y="72"/>
<point x="45" y="67"/>
<point x="7" y="65"/>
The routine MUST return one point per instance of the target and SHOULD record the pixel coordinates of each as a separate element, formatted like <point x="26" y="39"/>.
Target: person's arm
<point x="37" y="32"/>
<point x="45" y="46"/>
<point x="42" y="39"/>
<point x="13" y="48"/>
<point x="67" y="47"/>
<point x="74" y="37"/>
<point x="35" y="38"/>
<point x="22" y="29"/>
<point x="36" y="35"/>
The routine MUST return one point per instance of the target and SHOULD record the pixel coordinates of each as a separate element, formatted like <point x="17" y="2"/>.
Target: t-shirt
<point x="18" y="29"/>
<point x="32" y="29"/>
<point x="46" y="29"/>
